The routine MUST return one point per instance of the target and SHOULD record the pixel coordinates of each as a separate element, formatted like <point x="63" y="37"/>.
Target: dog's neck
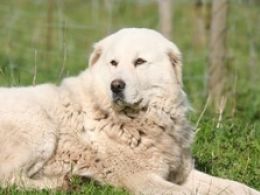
<point x="162" y="115"/>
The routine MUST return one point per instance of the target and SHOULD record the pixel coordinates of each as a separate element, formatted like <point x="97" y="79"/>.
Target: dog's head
<point x="134" y="65"/>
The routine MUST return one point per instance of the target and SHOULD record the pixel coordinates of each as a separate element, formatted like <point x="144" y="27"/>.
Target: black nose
<point x="117" y="85"/>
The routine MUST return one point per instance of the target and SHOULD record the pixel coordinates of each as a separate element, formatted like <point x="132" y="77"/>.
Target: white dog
<point x="121" y="122"/>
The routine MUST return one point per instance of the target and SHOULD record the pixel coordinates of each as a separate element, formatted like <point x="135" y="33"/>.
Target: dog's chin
<point x="120" y="104"/>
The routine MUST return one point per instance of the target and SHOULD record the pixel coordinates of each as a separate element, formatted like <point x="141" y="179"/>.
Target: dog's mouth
<point x="118" y="98"/>
<point x="120" y="103"/>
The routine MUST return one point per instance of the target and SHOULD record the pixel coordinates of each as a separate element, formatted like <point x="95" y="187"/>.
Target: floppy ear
<point x="176" y="61"/>
<point x="95" y="55"/>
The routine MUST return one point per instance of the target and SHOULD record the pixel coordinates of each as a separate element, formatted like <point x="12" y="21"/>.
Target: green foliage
<point x="230" y="151"/>
<point x="228" y="148"/>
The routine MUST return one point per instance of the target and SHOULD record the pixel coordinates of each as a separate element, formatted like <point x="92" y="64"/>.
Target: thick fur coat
<point x="122" y="122"/>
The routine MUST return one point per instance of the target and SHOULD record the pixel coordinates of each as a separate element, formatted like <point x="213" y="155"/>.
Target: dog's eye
<point x="113" y="63"/>
<point x="139" y="61"/>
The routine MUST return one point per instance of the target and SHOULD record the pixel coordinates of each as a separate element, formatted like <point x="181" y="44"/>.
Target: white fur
<point x="143" y="144"/>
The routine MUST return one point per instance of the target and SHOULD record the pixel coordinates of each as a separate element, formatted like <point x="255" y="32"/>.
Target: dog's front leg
<point x="153" y="184"/>
<point x="204" y="184"/>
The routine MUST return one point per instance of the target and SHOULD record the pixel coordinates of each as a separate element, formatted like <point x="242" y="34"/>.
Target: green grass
<point x="230" y="149"/>
<point x="89" y="189"/>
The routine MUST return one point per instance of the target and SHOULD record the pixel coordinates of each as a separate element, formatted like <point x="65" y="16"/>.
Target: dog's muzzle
<point x="117" y="87"/>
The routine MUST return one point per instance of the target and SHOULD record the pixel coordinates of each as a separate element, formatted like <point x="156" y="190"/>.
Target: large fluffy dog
<point x="121" y="122"/>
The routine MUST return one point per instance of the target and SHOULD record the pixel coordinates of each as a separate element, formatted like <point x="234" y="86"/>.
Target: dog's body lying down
<point x="121" y="122"/>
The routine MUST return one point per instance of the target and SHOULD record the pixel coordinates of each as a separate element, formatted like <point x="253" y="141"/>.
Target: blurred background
<point x="46" y="40"/>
